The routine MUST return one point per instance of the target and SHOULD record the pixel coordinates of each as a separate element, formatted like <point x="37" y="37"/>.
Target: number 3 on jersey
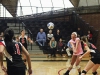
<point x="17" y="48"/>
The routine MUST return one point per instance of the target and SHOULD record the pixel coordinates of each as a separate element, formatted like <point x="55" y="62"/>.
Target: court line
<point x="60" y="71"/>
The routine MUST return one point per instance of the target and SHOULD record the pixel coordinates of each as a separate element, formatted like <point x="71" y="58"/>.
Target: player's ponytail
<point x="8" y="38"/>
<point x="84" y="38"/>
<point x="8" y="35"/>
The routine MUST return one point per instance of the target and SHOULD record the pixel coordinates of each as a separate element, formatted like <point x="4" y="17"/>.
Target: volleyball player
<point x="12" y="50"/>
<point x="17" y="38"/>
<point x="94" y="62"/>
<point x="23" y="39"/>
<point x="77" y="51"/>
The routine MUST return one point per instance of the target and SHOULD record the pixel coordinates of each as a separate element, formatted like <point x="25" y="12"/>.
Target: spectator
<point x="79" y="32"/>
<point x="58" y="35"/>
<point x="41" y="37"/>
<point x="69" y="49"/>
<point x="1" y="36"/>
<point x="53" y="45"/>
<point x="49" y="36"/>
<point x="60" y="46"/>
<point x="89" y="36"/>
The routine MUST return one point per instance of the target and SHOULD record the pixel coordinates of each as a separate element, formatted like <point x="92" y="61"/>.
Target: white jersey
<point x="25" y="36"/>
<point x="49" y="35"/>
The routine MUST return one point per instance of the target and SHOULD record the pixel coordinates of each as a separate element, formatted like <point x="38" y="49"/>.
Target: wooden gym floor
<point x="51" y="67"/>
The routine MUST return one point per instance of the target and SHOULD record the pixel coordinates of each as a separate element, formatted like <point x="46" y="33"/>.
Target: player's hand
<point x="30" y="71"/>
<point x="75" y="51"/>
<point x="5" y="73"/>
<point x="5" y="70"/>
<point x="32" y="42"/>
<point x="80" y="58"/>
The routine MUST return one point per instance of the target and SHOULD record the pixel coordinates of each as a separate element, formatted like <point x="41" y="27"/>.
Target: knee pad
<point x="67" y="49"/>
<point x="78" y="67"/>
<point x="84" y="72"/>
<point x="94" y="73"/>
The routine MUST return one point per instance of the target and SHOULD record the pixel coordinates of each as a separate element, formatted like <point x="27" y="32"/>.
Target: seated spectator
<point x="60" y="46"/>
<point x="57" y="35"/>
<point x="79" y="32"/>
<point x="49" y="36"/>
<point x="41" y="37"/>
<point x="89" y="36"/>
<point x="69" y="49"/>
<point x="1" y="36"/>
<point x="53" y="45"/>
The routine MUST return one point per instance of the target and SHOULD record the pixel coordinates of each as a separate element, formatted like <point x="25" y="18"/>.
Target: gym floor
<point x="56" y="67"/>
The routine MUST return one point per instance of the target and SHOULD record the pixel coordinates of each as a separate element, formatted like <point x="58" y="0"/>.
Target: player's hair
<point x="8" y="38"/>
<point x="74" y="33"/>
<point x="22" y="30"/>
<point x="8" y="34"/>
<point x="84" y="38"/>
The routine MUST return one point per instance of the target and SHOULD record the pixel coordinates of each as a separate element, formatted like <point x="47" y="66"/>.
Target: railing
<point x="29" y="32"/>
<point x="77" y="21"/>
<point x="64" y="11"/>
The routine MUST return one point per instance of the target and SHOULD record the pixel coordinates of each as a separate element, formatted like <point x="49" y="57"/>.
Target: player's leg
<point x="77" y="64"/>
<point x="74" y="57"/>
<point x="89" y="65"/>
<point x="94" y="69"/>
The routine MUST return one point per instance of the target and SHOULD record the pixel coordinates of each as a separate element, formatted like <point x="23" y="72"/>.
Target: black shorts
<point x="25" y="45"/>
<point x="16" y="71"/>
<point x="95" y="60"/>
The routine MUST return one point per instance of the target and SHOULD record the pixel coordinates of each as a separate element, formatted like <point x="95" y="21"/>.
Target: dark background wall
<point x="93" y="20"/>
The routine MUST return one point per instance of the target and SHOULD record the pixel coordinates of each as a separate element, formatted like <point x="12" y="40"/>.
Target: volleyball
<point x="50" y="25"/>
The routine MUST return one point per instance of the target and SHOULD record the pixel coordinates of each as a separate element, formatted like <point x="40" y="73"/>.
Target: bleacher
<point x="35" y="26"/>
<point x="66" y="24"/>
<point x="3" y="25"/>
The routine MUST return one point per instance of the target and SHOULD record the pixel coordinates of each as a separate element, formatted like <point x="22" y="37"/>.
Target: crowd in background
<point x="56" y="43"/>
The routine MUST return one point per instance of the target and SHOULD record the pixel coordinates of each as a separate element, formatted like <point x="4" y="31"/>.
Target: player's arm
<point x="1" y="54"/>
<point x="73" y="47"/>
<point x="28" y="58"/>
<point x="1" y="58"/>
<point x="29" y="39"/>
<point x="87" y="51"/>
<point x="77" y="43"/>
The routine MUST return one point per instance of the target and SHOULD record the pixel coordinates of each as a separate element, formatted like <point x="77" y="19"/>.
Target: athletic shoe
<point x="65" y="74"/>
